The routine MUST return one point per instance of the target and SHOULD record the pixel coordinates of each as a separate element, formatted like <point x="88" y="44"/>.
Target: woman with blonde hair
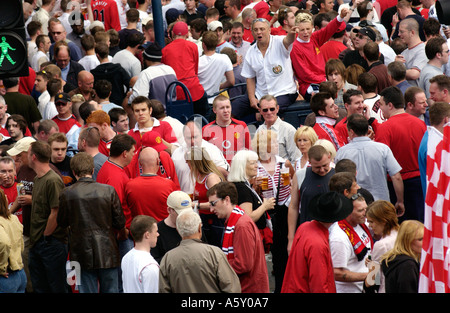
<point x="382" y="219"/>
<point x="305" y="137"/>
<point x="400" y="265"/>
<point x="205" y="174"/>
<point x="12" y="274"/>
<point x="328" y="145"/>
<point x="271" y="167"/>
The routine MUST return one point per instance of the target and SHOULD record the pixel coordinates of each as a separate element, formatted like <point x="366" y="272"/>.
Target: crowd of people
<point x="99" y="181"/>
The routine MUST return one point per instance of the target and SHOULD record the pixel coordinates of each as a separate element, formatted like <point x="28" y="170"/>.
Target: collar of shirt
<point x="156" y="123"/>
<point x="276" y="126"/>
<point x="326" y="120"/>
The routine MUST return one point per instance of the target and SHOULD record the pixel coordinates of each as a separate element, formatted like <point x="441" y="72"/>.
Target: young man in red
<point x="112" y="173"/>
<point x="106" y="11"/>
<point x="403" y="132"/>
<point x="182" y="55"/>
<point x="322" y="104"/>
<point x="66" y="121"/>
<point x="142" y="109"/>
<point x="228" y="134"/>
<point x="101" y="120"/>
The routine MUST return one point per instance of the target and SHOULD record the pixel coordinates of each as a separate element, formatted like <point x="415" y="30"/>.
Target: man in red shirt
<point x="8" y="183"/>
<point x="182" y="55"/>
<point x="228" y="134"/>
<point x="322" y="104"/>
<point x="106" y="11"/>
<point x="403" y="132"/>
<point x="310" y="268"/>
<point x="136" y="190"/>
<point x="101" y="120"/>
<point x="112" y="173"/>
<point x="142" y="109"/>
<point x="66" y="121"/>
<point x="242" y="240"/>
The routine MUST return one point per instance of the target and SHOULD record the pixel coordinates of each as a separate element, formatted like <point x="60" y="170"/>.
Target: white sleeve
<point x="149" y="277"/>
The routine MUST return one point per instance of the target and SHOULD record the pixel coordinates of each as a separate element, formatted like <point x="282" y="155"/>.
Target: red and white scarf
<point x="358" y="246"/>
<point x="227" y="243"/>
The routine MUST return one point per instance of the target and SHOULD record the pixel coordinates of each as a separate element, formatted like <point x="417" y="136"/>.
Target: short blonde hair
<point x="303" y="17"/>
<point x="328" y="145"/>
<point x="308" y="131"/>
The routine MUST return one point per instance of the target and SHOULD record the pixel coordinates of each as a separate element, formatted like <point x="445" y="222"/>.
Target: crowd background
<point x="336" y="201"/>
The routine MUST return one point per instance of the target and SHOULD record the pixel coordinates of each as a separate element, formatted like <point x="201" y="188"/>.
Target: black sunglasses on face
<point x="267" y="110"/>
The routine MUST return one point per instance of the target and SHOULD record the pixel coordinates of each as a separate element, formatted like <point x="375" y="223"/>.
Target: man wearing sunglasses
<point x="269" y="108"/>
<point x="66" y="121"/>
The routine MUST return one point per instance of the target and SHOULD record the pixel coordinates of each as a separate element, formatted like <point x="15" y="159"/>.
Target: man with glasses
<point x="361" y="36"/>
<point x="268" y="70"/>
<point x="59" y="33"/>
<point x="269" y="108"/>
<point x="242" y="242"/>
<point x="437" y="52"/>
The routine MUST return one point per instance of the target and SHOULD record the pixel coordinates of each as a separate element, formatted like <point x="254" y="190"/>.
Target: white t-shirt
<point x="89" y="62"/>
<point x="38" y="58"/>
<point x="140" y="272"/>
<point x="343" y="256"/>
<point x="182" y="169"/>
<point x="129" y="62"/>
<point x="211" y="71"/>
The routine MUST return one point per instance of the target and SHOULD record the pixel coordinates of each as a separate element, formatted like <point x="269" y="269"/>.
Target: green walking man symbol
<point x="4" y="46"/>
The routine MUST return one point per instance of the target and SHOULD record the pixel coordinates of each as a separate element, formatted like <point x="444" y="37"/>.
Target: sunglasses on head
<point x="267" y="110"/>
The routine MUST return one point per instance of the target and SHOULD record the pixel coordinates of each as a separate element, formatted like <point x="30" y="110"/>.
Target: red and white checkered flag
<point x="435" y="259"/>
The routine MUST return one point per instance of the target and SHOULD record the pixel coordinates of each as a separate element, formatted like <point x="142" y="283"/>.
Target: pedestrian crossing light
<point x="13" y="44"/>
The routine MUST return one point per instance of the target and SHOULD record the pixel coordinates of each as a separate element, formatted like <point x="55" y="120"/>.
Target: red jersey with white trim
<point x="229" y="139"/>
<point x="106" y="11"/>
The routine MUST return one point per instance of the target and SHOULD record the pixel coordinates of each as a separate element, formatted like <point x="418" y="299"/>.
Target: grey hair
<point x="187" y="223"/>
<point x="238" y="165"/>
<point x="2" y="100"/>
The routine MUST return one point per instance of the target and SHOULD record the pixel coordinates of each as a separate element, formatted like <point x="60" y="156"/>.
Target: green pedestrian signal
<point x="5" y="47"/>
<point x="13" y="44"/>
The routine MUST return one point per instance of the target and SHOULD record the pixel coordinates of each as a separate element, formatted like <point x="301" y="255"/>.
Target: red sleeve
<point x="113" y="17"/>
<point x="167" y="132"/>
<point x="262" y="9"/>
<point x="323" y="35"/>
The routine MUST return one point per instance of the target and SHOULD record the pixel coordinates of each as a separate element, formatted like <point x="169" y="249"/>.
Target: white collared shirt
<point x="287" y="148"/>
<point x="273" y="71"/>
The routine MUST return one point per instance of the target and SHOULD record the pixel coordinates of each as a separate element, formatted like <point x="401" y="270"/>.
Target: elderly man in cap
<point x="154" y="80"/>
<point x="193" y="266"/>
<point x="177" y="202"/>
<point x="361" y="36"/>
<point x="309" y="268"/>
<point x="136" y="190"/>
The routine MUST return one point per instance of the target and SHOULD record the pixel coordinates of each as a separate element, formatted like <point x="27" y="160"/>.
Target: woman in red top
<point x="205" y="175"/>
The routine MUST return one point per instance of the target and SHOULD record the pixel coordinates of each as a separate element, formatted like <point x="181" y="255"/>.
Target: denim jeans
<point x="15" y="283"/>
<point x="100" y="280"/>
<point x="47" y="264"/>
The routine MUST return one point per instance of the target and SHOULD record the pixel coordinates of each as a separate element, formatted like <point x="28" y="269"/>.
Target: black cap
<point x="153" y="52"/>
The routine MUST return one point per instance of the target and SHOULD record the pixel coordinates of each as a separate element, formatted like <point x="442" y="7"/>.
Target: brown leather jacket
<point x="93" y="214"/>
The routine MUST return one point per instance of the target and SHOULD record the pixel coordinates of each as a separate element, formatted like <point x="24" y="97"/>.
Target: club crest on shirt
<point x="277" y="69"/>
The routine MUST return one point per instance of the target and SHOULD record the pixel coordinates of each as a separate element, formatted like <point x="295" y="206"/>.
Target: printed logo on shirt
<point x="277" y="69"/>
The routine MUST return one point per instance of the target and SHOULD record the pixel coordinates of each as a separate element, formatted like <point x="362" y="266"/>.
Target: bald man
<point x="85" y="86"/>
<point x="136" y="190"/>
<point x="69" y="68"/>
